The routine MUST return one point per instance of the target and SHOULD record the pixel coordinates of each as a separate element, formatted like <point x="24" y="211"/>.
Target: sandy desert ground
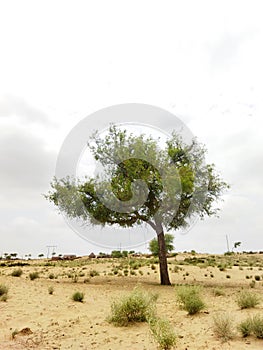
<point x="31" y="318"/>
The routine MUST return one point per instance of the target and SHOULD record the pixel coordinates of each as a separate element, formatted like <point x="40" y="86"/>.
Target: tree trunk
<point x="163" y="259"/>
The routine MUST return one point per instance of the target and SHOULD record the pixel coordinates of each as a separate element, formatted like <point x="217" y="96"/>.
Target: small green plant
<point x="94" y="273"/>
<point x="218" y="292"/>
<point x="3" y="290"/>
<point x="246" y="327"/>
<point x="223" y="327"/>
<point x="14" y="333"/>
<point x="78" y="296"/>
<point x="247" y="300"/>
<point x="189" y="299"/>
<point x="252" y="284"/>
<point x="257" y="326"/>
<point x="33" y="275"/>
<point x="50" y="290"/>
<point x="17" y="273"/>
<point x="162" y="333"/>
<point x="136" y="307"/>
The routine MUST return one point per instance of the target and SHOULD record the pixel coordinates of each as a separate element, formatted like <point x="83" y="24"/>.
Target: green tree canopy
<point x="154" y="247"/>
<point x="142" y="183"/>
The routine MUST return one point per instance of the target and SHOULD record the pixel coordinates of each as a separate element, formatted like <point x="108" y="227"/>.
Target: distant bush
<point x="78" y="296"/>
<point x="257" y="278"/>
<point x="3" y="292"/>
<point x="247" y="300"/>
<point x="218" y="292"/>
<point x="162" y="333"/>
<point x="94" y="273"/>
<point x="252" y="284"/>
<point x="136" y="307"/>
<point x="116" y="254"/>
<point x="50" y="290"/>
<point x="189" y="299"/>
<point x="33" y="275"/>
<point x="17" y="273"/>
<point x="223" y="327"/>
<point x="51" y="276"/>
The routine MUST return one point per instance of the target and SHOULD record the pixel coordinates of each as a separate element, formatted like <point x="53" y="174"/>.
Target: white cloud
<point x="200" y="60"/>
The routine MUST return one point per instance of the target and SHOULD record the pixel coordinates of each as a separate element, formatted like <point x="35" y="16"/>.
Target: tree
<point x="154" y="248"/>
<point x="142" y="184"/>
<point x="236" y="245"/>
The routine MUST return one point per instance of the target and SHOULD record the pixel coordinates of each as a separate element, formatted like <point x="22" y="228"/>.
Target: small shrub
<point x="247" y="300"/>
<point x="3" y="297"/>
<point x="3" y="290"/>
<point x="50" y="290"/>
<point x="75" y="278"/>
<point x="163" y="333"/>
<point x="252" y="284"/>
<point x="14" y="333"/>
<point x="17" y="273"/>
<point x="136" y="307"/>
<point x="176" y="269"/>
<point x="257" y="326"/>
<point x="51" y="276"/>
<point x="245" y="327"/>
<point x="33" y="275"/>
<point x="86" y="280"/>
<point x="78" y="296"/>
<point x="94" y="273"/>
<point x="257" y="278"/>
<point x="218" y="292"/>
<point x="189" y="299"/>
<point x="228" y="276"/>
<point x="223" y="327"/>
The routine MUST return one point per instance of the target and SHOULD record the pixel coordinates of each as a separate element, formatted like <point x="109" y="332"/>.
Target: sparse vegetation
<point x="245" y="327"/>
<point x="17" y="273"/>
<point x="136" y="307"/>
<point x="257" y="326"/>
<point x="78" y="296"/>
<point x="50" y="290"/>
<point x="33" y="275"/>
<point x="247" y="300"/>
<point x="218" y="292"/>
<point x="162" y="332"/>
<point x="3" y="292"/>
<point x="252" y="325"/>
<point x="94" y="273"/>
<point x="189" y="299"/>
<point x="223" y="327"/>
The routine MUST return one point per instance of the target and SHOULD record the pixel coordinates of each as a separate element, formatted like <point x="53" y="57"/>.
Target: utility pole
<point x="53" y="247"/>
<point x="227" y="243"/>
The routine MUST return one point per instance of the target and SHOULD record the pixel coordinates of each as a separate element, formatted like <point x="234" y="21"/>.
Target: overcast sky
<point x="61" y="61"/>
